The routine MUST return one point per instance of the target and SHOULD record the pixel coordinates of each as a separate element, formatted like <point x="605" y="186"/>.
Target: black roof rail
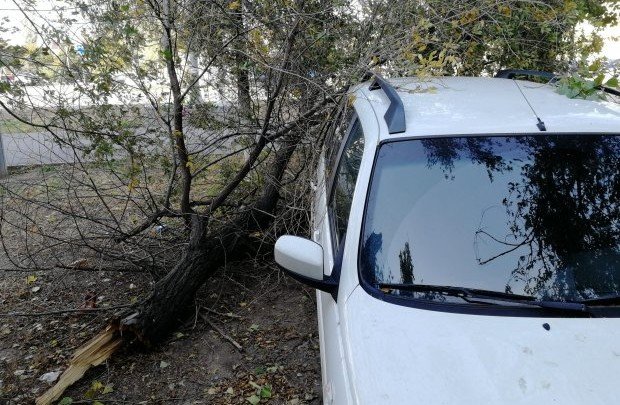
<point x="395" y="114"/>
<point x="512" y="73"/>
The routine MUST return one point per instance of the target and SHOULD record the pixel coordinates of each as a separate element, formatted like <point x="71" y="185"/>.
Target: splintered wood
<point x="91" y="354"/>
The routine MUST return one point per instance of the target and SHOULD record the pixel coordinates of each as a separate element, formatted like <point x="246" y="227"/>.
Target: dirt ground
<point x="270" y="317"/>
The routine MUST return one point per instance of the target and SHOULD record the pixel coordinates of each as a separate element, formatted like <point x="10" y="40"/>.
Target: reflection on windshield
<point x="534" y="215"/>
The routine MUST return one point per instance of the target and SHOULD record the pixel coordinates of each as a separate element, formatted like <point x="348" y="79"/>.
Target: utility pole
<point x="3" y="171"/>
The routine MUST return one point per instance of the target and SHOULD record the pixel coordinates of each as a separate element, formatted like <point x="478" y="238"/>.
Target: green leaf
<point x="599" y="79"/>
<point x="613" y="82"/>
<point x="66" y="401"/>
<point x="167" y="54"/>
<point x="254" y="400"/>
<point x="107" y="389"/>
<point x="265" y="392"/>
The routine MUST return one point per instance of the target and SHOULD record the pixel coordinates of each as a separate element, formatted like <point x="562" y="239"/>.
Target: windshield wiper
<point x="473" y="295"/>
<point x="604" y="300"/>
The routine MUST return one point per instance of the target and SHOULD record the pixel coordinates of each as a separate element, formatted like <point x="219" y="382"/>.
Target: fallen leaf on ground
<point x="254" y="400"/>
<point x="50" y="377"/>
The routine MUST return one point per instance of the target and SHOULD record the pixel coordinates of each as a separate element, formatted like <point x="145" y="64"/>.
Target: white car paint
<point x="405" y="356"/>
<point x="375" y="352"/>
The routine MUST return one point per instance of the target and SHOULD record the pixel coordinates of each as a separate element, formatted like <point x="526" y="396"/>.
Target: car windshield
<point x="530" y="215"/>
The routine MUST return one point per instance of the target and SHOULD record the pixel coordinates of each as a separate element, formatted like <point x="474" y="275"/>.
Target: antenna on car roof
<point x="540" y="124"/>
<point x="395" y="114"/>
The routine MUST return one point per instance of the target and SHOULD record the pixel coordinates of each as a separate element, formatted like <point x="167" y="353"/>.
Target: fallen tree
<point x="234" y="99"/>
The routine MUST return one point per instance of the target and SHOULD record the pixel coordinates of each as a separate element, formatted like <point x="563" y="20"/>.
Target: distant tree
<point x="406" y="265"/>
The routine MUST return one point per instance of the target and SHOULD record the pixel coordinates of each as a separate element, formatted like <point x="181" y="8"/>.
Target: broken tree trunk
<point x="94" y="352"/>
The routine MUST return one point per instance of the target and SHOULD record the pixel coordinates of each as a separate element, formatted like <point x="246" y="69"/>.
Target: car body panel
<point x="474" y="105"/>
<point x="407" y="355"/>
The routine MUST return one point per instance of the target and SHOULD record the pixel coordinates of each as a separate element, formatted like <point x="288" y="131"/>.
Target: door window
<point x="344" y="180"/>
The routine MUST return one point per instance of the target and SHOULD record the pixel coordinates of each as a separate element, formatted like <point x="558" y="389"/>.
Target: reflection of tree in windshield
<point x="567" y="210"/>
<point x="563" y="211"/>
<point x="480" y="150"/>
<point x="406" y="265"/>
<point x="371" y="247"/>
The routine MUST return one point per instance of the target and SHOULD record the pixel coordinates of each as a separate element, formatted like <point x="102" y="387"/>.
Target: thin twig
<point x="65" y="311"/>
<point x="229" y="314"/>
<point x="221" y="332"/>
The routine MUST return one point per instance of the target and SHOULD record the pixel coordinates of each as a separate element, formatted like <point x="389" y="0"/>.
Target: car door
<point x="337" y="174"/>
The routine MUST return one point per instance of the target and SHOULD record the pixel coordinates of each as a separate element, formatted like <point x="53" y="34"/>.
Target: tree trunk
<point x="243" y="85"/>
<point x="241" y="67"/>
<point x="173" y="295"/>
<point x="195" y="96"/>
<point x="177" y="110"/>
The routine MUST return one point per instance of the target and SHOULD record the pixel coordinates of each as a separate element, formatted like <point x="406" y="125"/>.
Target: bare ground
<point x="272" y="319"/>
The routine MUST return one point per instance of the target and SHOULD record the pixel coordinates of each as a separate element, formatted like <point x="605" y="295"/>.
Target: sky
<point x="612" y="47"/>
<point x="611" y="36"/>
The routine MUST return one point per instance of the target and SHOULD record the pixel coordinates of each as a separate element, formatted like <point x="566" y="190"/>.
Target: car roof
<point x="479" y="105"/>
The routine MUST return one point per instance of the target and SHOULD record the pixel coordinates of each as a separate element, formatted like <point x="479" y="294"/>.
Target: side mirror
<point x="302" y="259"/>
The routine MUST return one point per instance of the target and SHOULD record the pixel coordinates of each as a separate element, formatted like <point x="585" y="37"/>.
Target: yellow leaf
<point x="505" y="10"/>
<point x="97" y="385"/>
<point x="234" y="6"/>
<point x="31" y="279"/>
<point x="133" y="184"/>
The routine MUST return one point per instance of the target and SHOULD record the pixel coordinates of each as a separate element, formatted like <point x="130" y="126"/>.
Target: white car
<point x="466" y="245"/>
